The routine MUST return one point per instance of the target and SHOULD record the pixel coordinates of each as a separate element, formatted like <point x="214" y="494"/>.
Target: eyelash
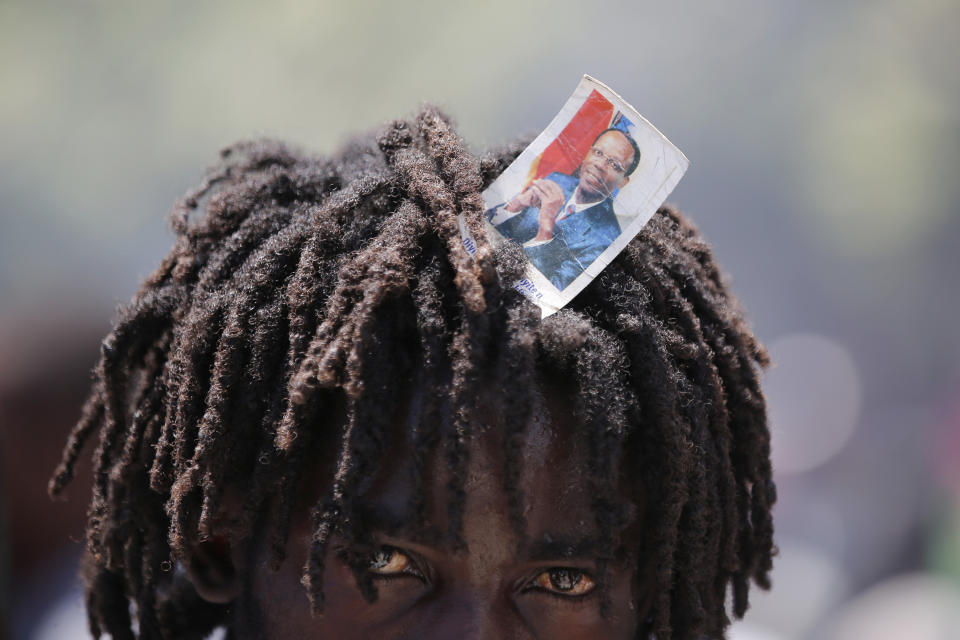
<point x="387" y="577"/>
<point x="567" y="599"/>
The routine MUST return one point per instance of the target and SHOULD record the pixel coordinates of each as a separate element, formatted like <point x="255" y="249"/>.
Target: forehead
<point x="614" y="141"/>
<point x="551" y="475"/>
<point x="554" y="476"/>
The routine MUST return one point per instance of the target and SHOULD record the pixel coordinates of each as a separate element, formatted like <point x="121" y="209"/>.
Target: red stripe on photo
<point x="567" y="150"/>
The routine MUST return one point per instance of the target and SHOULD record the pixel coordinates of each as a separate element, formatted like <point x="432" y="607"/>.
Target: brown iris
<point x="388" y="561"/>
<point x="565" y="581"/>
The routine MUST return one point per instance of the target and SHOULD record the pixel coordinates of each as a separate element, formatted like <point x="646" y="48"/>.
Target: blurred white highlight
<point x="909" y="607"/>
<point x="814" y="396"/>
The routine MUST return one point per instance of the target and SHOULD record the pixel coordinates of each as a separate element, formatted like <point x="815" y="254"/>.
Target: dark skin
<point x="548" y="587"/>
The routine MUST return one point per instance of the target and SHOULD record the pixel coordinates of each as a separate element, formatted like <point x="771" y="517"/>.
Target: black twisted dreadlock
<point x="297" y="283"/>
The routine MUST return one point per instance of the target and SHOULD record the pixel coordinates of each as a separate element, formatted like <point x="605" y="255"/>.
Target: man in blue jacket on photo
<point x="565" y="221"/>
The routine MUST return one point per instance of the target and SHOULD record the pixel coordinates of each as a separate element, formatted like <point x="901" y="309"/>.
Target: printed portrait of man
<point x="564" y="222"/>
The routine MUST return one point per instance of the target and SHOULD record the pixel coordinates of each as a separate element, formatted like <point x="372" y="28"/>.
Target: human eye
<point x="390" y="562"/>
<point x="563" y="582"/>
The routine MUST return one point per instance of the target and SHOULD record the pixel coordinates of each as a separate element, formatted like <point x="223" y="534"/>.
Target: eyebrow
<point x="382" y="518"/>
<point x="549" y="546"/>
<point x="552" y="547"/>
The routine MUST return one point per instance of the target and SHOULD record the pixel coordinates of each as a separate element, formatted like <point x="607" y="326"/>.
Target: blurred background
<point x="824" y="139"/>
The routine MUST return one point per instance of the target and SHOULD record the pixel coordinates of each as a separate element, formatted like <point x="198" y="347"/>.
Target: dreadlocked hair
<point x="296" y="280"/>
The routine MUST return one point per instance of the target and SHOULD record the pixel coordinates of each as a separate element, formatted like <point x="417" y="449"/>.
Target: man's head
<point x="320" y="384"/>
<point x="608" y="164"/>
